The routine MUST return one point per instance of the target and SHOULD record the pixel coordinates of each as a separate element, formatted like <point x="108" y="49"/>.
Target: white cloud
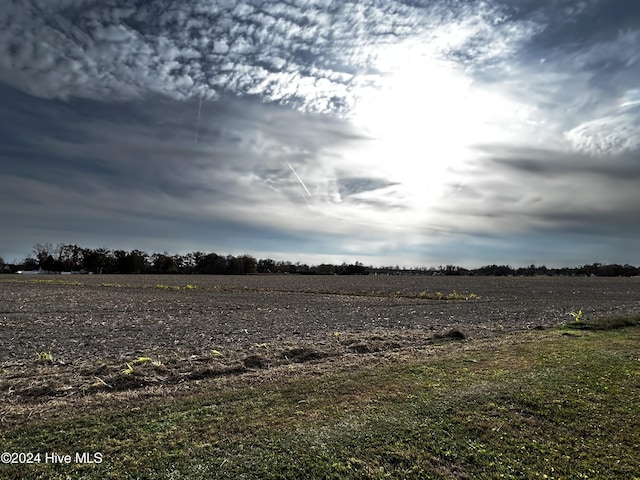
<point x="609" y="135"/>
<point x="310" y="49"/>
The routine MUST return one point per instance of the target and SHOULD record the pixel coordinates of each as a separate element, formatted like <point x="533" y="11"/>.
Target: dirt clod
<point x="304" y="354"/>
<point x="451" y="335"/>
<point x="360" y="348"/>
<point x="254" y="361"/>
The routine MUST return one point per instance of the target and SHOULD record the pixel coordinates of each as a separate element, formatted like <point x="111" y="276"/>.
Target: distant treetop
<point x="73" y="258"/>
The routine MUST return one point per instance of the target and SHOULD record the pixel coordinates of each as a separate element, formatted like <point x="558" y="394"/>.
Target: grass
<point x="605" y="323"/>
<point x="538" y="405"/>
<point x="450" y="296"/>
<point x="188" y="286"/>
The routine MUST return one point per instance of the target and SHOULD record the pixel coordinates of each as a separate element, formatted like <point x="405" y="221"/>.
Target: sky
<point x="390" y="132"/>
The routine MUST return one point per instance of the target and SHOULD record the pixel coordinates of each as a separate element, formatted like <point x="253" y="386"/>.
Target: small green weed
<point x="448" y="296"/>
<point x="44" y="357"/>
<point x="461" y="296"/>
<point x="456" y="296"/>
<point x="141" y="360"/>
<point x="138" y="361"/>
<point x="54" y="282"/>
<point x="577" y="316"/>
<point x="128" y="370"/>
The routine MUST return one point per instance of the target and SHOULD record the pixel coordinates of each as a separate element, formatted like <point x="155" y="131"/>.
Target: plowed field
<point x="86" y="341"/>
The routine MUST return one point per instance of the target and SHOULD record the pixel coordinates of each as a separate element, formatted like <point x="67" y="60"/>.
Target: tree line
<point x="76" y="259"/>
<point x="73" y="258"/>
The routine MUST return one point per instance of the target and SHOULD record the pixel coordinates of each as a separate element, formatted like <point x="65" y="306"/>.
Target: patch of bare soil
<point x="105" y="342"/>
<point x="32" y="390"/>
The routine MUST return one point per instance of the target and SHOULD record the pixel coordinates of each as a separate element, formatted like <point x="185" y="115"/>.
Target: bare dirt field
<point x="73" y="343"/>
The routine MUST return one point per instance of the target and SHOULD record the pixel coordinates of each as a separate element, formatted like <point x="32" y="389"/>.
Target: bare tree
<point x="70" y="255"/>
<point x="42" y="251"/>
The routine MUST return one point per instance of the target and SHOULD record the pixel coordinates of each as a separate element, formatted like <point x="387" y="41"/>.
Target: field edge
<point x="540" y="404"/>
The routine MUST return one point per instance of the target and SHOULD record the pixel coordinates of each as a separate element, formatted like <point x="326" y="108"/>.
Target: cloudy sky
<point x="410" y="132"/>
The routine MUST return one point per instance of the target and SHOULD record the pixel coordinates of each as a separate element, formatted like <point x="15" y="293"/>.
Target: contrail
<point x="198" y="124"/>
<point x="299" y="179"/>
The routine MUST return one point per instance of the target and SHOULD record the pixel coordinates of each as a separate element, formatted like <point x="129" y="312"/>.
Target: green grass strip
<point x="559" y="406"/>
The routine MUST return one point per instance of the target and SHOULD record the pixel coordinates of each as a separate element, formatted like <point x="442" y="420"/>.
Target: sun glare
<point x="425" y="117"/>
